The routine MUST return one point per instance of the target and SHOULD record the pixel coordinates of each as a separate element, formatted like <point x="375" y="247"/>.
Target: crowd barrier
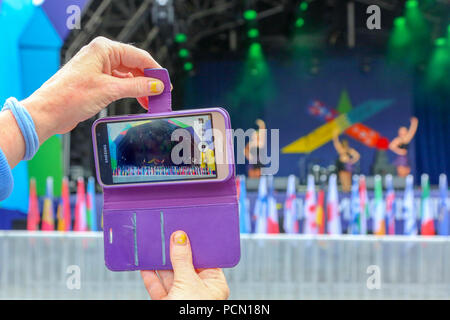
<point x="41" y="265"/>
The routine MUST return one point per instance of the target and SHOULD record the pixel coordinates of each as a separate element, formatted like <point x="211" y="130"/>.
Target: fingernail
<point x="156" y="86"/>
<point x="180" y="238"/>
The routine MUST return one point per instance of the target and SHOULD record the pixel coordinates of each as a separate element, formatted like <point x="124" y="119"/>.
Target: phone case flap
<point x="161" y="102"/>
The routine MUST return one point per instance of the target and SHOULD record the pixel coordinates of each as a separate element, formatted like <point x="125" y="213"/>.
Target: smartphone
<point x="183" y="146"/>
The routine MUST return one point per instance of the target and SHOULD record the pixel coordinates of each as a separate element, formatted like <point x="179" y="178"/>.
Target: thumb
<point x="135" y="87"/>
<point x="181" y="256"/>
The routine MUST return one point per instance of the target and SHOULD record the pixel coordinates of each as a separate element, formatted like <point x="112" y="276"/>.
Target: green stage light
<point x="400" y="22"/>
<point x="255" y="51"/>
<point x="188" y="66"/>
<point x="437" y="73"/>
<point x="253" y="33"/>
<point x="183" y="53"/>
<point x="255" y="77"/>
<point x="400" y="41"/>
<point x="250" y="15"/>
<point x="180" y="38"/>
<point x="440" y="42"/>
<point x="299" y="22"/>
<point x="411" y="4"/>
<point x="304" y="6"/>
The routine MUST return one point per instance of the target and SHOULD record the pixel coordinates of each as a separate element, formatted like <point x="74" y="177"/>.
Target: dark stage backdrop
<point x="292" y="87"/>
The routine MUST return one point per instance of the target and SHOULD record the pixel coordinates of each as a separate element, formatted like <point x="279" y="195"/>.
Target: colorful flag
<point x="310" y="207"/>
<point x="379" y="223"/>
<point x="80" y="207"/>
<point x="33" y="208"/>
<point x="325" y="133"/>
<point x="63" y="213"/>
<point x="444" y="214"/>
<point x="272" y="218"/>
<point x="390" y="204"/>
<point x="290" y="221"/>
<point x="48" y="213"/>
<point x="364" y="203"/>
<point x="91" y="208"/>
<point x="261" y="207"/>
<point x="334" y="219"/>
<point x="244" y="216"/>
<point x="320" y="212"/>
<point x="409" y="214"/>
<point x="357" y="131"/>
<point x="427" y="225"/>
<point x="355" y="207"/>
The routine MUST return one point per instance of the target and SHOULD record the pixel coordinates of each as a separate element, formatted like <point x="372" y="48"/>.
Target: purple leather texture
<point x="162" y="102"/>
<point x="138" y="220"/>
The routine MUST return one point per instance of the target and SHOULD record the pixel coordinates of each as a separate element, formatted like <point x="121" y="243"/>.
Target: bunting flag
<point x="379" y="223"/>
<point x="33" y="217"/>
<point x="65" y="196"/>
<point x="244" y="216"/>
<point x="390" y="204"/>
<point x="355" y="207"/>
<point x="427" y="219"/>
<point x="320" y="212"/>
<point x="310" y="207"/>
<point x="48" y="213"/>
<point x="59" y="218"/>
<point x="409" y="214"/>
<point x="261" y="207"/>
<point x="63" y="212"/>
<point x="290" y="221"/>
<point x="80" y="207"/>
<point x="364" y="204"/>
<point x="91" y="208"/>
<point x="334" y="219"/>
<point x="272" y="218"/>
<point x="444" y="214"/>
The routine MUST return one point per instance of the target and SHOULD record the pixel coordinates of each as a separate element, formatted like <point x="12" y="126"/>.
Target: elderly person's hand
<point x="185" y="282"/>
<point x="100" y="73"/>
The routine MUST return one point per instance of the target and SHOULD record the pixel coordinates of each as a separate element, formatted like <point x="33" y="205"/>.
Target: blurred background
<point x="359" y="91"/>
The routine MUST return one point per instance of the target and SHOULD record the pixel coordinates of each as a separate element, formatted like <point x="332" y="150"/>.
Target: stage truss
<point x="215" y="29"/>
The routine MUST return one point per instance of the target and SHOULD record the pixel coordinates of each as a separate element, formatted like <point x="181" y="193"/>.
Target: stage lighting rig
<point x="163" y="12"/>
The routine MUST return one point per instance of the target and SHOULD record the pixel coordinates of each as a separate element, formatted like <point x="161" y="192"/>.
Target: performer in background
<point x="347" y="157"/>
<point x="252" y="149"/>
<point x="399" y="146"/>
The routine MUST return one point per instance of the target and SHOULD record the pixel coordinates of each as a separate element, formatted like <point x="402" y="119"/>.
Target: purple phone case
<point x="139" y="220"/>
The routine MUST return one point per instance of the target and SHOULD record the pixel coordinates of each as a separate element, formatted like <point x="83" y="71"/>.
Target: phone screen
<point x="156" y="150"/>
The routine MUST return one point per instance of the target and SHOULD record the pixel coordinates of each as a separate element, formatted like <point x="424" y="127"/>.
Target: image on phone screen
<point x="141" y="150"/>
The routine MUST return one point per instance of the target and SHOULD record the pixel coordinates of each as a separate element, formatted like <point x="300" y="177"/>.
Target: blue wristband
<point x="26" y="125"/>
<point x="6" y="178"/>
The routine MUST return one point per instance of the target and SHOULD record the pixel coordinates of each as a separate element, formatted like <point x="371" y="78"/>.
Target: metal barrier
<point x="40" y="265"/>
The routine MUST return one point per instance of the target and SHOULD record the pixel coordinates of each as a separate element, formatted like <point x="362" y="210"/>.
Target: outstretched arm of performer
<point x="394" y="146"/>
<point x="412" y="129"/>
<point x="261" y="137"/>
<point x="355" y="156"/>
<point x="337" y="144"/>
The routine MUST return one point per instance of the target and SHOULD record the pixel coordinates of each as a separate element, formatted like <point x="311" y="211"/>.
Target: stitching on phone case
<point x="136" y="257"/>
<point x="163" y="240"/>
